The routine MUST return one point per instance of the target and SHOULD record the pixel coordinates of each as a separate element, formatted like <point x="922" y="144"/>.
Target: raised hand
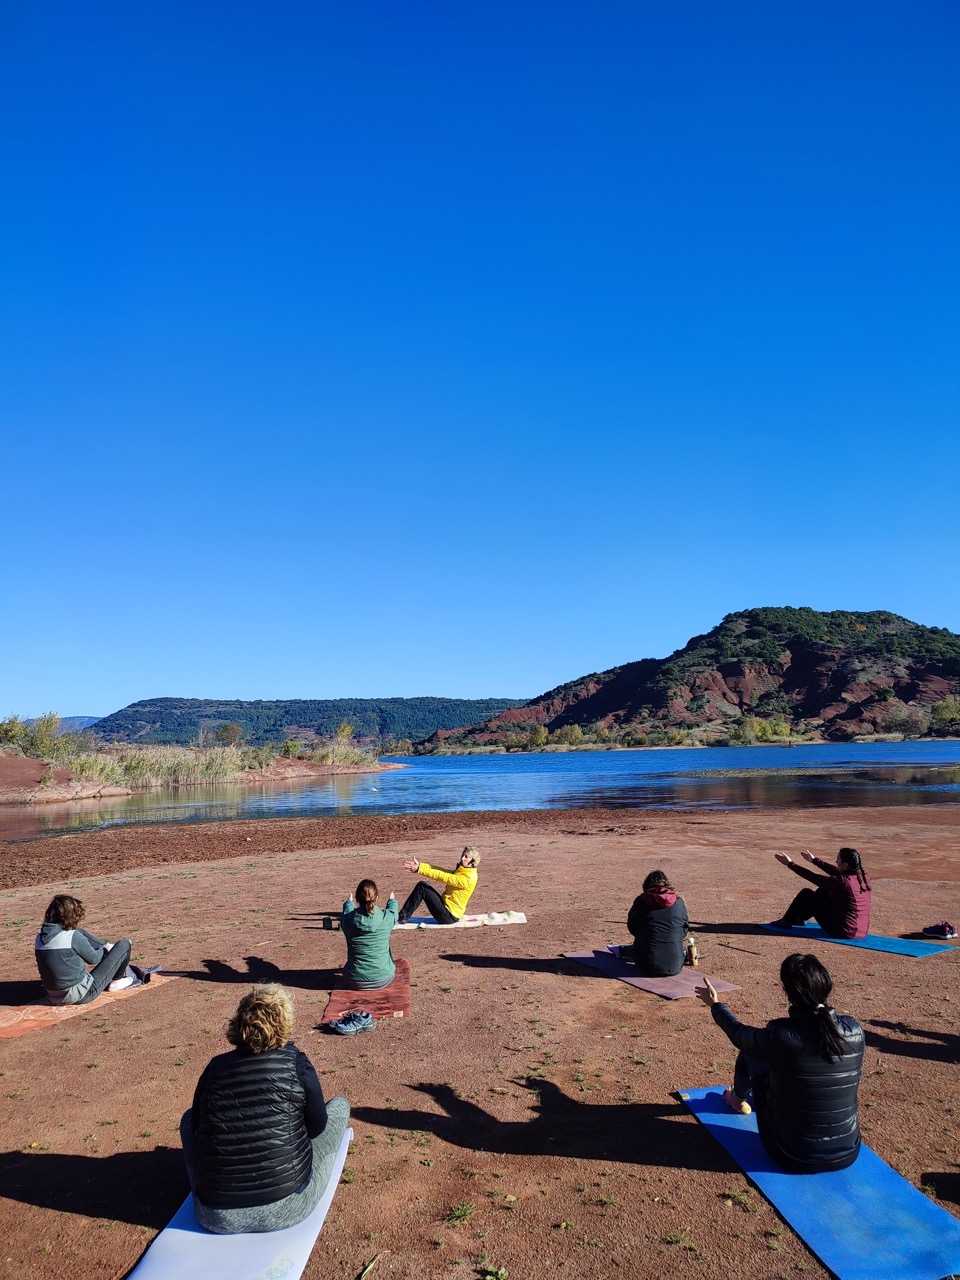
<point x="783" y="858"/>
<point x="807" y="855"/>
<point x="707" y="993"/>
<point x="411" y="865"/>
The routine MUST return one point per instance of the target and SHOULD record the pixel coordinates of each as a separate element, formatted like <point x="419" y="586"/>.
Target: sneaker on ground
<point x="942" y="930"/>
<point x="123" y="984"/>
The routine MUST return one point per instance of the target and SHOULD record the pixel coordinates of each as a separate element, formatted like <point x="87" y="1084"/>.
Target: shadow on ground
<point x="635" y="1133"/>
<point x="21" y="992"/>
<point x="945" y="1185"/>
<point x="558" y="965"/>
<point x="142" y="1187"/>
<point x="261" y="971"/>
<point x="935" y="1046"/>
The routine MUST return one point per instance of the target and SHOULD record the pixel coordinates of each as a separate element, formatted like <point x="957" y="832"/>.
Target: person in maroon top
<point x="840" y="904"/>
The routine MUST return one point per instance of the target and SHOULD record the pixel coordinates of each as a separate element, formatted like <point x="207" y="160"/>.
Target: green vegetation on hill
<point x="184" y="721"/>
<point x="761" y="675"/>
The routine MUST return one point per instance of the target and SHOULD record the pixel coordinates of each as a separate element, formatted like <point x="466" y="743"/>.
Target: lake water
<point x="717" y="778"/>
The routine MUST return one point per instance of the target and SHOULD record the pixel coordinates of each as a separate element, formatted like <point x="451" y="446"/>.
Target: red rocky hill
<point x="762" y="674"/>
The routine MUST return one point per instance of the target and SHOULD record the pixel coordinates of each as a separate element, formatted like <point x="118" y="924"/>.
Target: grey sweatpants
<point x="282" y="1213"/>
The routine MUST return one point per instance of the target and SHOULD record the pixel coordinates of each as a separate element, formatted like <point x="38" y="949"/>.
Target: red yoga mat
<point x="388" y="1002"/>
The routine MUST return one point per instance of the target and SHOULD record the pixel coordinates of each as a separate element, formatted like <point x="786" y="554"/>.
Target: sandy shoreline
<point x="521" y="1085"/>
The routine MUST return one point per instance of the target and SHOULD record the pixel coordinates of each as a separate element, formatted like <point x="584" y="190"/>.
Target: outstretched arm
<point x="786" y="861"/>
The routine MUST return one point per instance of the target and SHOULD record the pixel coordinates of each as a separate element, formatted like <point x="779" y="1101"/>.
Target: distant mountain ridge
<point x="182" y="721"/>
<point x="761" y="674"/>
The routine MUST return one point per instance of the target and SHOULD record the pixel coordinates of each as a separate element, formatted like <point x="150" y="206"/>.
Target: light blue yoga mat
<point x="184" y="1251"/>
<point x="872" y="942"/>
<point x="864" y="1223"/>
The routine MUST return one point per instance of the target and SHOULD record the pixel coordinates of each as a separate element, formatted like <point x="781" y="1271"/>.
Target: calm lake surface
<point x="714" y="778"/>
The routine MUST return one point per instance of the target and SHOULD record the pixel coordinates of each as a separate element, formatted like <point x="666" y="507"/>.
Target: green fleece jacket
<point x="368" y="942"/>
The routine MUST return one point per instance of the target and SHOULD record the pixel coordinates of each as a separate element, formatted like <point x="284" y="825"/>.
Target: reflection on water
<point x="741" y="777"/>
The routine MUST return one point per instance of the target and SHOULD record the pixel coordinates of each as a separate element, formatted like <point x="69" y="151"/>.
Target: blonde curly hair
<point x="264" y="1020"/>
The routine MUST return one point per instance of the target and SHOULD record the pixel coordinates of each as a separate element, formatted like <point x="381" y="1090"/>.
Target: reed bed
<point x="153" y="766"/>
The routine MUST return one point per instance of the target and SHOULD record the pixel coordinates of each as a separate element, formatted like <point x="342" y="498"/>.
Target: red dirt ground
<point x="533" y="1090"/>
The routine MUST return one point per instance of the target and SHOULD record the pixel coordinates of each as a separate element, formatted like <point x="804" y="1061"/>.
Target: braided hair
<point x="852" y="859"/>
<point x="808" y="986"/>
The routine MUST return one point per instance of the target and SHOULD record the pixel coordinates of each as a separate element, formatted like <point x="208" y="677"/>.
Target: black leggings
<point x="814" y="903"/>
<point x="432" y="900"/>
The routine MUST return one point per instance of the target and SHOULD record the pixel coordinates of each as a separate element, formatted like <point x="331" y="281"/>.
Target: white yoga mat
<point x="185" y="1251"/>
<point x="465" y="922"/>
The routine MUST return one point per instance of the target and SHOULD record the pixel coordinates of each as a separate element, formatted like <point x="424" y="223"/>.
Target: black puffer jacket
<point x="253" y="1117"/>
<point x="658" y="922"/>
<point x="807" y="1110"/>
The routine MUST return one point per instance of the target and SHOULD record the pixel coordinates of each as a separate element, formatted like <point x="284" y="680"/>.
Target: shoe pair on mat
<point x="942" y="930"/>
<point x="353" y="1023"/>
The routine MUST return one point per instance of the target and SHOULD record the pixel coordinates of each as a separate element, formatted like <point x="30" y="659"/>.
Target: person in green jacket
<point x="367" y="928"/>
<point x="460" y="884"/>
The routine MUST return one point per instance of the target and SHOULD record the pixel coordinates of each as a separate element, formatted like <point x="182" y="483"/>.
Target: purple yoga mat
<point x="684" y="983"/>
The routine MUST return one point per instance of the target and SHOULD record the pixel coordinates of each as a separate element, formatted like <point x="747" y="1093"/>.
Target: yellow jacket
<point x="460" y="884"/>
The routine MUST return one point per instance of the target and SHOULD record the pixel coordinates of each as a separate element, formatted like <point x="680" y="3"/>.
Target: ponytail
<point x="852" y="858"/>
<point x="367" y="896"/>
<point x="808" y="985"/>
<point x="832" y="1043"/>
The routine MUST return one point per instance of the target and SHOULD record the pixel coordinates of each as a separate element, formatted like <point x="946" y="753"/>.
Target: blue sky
<point x="445" y="348"/>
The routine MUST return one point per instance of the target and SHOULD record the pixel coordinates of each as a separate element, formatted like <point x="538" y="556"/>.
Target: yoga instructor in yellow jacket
<point x="460" y="883"/>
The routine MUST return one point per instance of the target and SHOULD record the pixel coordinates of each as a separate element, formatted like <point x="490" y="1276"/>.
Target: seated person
<point x="658" y="922"/>
<point x="63" y="952"/>
<point x="259" y="1142"/>
<point x="460" y="882"/>
<point x="366" y="928"/>
<point x="801" y="1072"/>
<point x="840" y="904"/>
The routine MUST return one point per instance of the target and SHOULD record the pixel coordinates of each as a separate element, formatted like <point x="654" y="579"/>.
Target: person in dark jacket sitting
<point x="259" y="1141"/>
<point x="802" y="1072"/>
<point x="840" y="904"/>
<point x="658" y="922"/>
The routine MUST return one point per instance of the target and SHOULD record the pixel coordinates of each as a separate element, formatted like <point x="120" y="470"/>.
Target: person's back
<point x="851" y="906"/>
<point x="809" y="1120"/>
<point x="801" y="1073"/>
<point x="368" y="944"/>
<point x="658" y="921"/>
<point x="366" y="929"/>
<point x="251" y="1140"/>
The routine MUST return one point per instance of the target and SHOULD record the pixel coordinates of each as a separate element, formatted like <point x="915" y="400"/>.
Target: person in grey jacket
<point x="802" y="1072"/>
<point x="63" y="951"/>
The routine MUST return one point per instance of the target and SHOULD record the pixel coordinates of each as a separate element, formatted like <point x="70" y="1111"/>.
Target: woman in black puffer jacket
<point x="803" y="1072"/>
<point x="259" y="1141"/>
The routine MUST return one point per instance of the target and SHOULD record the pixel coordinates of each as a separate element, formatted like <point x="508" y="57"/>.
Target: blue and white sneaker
<point x="352" y="1023"/>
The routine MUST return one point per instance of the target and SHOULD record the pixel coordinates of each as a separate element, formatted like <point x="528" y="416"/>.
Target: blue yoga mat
<point x="864" y="1223"/>
<point x="872" y="942"/>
